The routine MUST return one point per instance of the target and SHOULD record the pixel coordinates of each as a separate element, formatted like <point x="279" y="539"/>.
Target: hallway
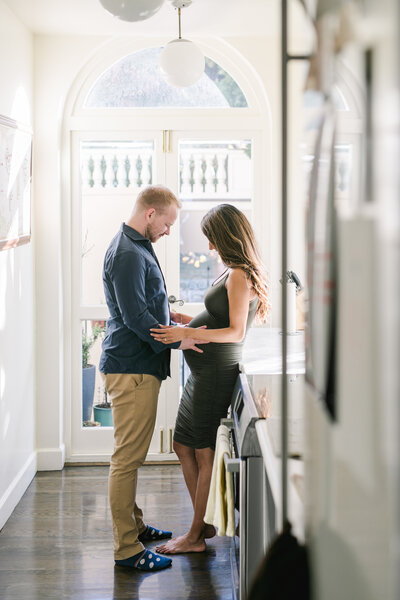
<point x="58" y="542"/>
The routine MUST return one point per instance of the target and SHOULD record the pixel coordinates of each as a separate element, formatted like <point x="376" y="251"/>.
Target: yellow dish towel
<point x="220" y="510"/>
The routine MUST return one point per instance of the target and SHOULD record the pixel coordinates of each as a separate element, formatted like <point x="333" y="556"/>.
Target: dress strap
<point x="220" y="278"/>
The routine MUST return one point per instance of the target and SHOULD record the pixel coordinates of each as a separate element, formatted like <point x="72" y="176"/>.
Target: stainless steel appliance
<point x="250" y="485"/>
<point x="255" y="430"/>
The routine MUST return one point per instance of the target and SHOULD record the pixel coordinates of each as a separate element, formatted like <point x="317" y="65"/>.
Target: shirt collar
<point x="133" y="234"/>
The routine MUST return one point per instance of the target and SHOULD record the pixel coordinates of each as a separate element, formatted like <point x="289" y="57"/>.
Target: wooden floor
<point x="58" y="542"/>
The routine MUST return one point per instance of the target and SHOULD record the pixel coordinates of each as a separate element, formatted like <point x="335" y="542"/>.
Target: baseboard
<point x="104" y="459"/>
<point x="51" y="459"/>
<point x="151" y="463"/>
<point x="86" y="460"/>
<point x="17" y="488"/>
<point x="167" y="458"/>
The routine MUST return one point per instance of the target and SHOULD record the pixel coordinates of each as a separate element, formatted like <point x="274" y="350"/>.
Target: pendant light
<point x="132" y="10"/>
<point x="181" y="61"/>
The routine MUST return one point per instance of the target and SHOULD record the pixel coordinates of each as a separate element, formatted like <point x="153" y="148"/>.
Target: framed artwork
<point x="15" y="183"/>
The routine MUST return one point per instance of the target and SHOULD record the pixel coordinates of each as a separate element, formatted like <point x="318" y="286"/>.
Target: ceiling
<point x="203" y="17"/>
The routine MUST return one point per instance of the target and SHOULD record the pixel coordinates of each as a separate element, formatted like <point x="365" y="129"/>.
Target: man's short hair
<point x="156" y="196"/>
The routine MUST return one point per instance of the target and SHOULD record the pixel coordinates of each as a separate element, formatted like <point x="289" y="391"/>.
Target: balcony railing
<point x="213" y="172"/>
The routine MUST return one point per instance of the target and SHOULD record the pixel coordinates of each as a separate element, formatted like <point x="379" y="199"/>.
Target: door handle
<point x="161" y="440"/>
<point x="172" y="299"/>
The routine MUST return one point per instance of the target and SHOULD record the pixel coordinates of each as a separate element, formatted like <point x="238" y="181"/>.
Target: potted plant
<point x="88" y="370"/>
<point x="103" y="413"/>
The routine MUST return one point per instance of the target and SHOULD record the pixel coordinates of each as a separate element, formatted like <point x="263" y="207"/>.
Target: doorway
<point x="207" y="144"/>
<point x="204" y="169"/>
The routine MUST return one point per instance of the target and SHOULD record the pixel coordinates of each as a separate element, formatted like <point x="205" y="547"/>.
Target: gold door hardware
<point x="161" y="440"/>
<point x="166" y="140"/>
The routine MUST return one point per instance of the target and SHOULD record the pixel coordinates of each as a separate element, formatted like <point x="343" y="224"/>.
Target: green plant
<point x="88" y="340"/>
<point x="106" y="403"/>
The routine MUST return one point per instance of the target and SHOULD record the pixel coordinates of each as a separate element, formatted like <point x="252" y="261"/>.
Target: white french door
<point x="205" y="168"/>
<point x="108" y="170"/>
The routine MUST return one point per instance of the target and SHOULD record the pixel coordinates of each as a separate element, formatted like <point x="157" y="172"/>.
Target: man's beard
<point x="150" y="234"/>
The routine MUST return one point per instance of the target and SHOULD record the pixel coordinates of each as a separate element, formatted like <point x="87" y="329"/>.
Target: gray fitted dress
<point x="209" y="387"/>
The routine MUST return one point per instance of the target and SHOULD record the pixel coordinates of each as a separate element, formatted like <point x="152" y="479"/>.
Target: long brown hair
<point x="228" y="229"/>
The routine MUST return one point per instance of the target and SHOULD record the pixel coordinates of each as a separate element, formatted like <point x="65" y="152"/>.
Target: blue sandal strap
<point x="152" y="533"/>
<point x="145" y="561"/>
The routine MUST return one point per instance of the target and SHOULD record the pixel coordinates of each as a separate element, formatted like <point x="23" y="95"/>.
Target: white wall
<point x="57" y="61"/>
<point x="17" y="356"/>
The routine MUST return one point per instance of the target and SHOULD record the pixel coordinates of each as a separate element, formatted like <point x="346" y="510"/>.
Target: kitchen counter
<point x="262" y="352"/>
<point x="262" y="364"/>
<point x="266" y="391"/>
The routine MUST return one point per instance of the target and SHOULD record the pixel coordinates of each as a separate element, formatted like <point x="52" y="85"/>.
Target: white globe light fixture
<point x="132" y="10"/>
<point x="181" y="62"/>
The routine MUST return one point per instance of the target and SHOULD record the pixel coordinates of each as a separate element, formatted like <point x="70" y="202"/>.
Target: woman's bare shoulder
<point x="238" y="276"/>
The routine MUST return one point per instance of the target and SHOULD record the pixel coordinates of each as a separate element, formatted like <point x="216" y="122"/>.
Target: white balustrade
<point x="212" y="174"/>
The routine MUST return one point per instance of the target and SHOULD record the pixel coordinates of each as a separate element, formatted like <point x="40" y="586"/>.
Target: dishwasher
<point x="250" y="488"/>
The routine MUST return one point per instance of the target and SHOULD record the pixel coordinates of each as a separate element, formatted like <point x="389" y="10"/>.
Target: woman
<point x="231" y="304"/>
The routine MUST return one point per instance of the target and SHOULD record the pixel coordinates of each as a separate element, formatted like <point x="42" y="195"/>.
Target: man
<point x="133" y="364"/>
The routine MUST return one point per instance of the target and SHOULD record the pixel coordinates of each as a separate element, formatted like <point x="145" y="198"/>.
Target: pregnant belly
<point x="223" y="355"/>
<point x="204" y="318"/>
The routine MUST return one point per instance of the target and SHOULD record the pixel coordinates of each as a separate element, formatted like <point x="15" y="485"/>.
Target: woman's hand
<point x="168" y="334"/>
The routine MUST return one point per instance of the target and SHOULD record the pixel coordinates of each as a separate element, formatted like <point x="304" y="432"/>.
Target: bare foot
<point x="209" y="531"/>
<point x="182" y="544"/>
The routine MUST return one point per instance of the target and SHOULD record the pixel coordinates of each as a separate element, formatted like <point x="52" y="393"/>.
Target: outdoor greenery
<point x="88" y="340"/>
<point x="225" y="84"/>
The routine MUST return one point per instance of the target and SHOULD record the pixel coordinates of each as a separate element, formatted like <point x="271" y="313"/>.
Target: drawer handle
<point x="228" y="423"/>
<point x="232" y="465"/>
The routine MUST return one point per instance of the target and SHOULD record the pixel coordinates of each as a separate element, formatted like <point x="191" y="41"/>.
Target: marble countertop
<point x="262" y="364"/>
<point x="262" y="352"/>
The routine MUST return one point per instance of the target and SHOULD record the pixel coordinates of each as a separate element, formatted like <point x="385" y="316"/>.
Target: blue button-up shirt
<point x="137" y="299"/>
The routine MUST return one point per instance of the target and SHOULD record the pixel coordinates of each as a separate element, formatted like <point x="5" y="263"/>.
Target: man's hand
<point x="180" y="318"/>
<point x="190" y="344"/>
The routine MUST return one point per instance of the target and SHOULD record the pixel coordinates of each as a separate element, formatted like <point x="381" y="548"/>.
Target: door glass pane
<point x="112" y="174"/>
<point x="210" y="173"/>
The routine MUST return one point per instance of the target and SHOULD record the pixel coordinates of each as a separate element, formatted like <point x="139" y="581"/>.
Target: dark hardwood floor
<point x="58" y="542"/>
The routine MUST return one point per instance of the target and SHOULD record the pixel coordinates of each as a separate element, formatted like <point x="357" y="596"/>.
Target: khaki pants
<point x="134" y="408"/>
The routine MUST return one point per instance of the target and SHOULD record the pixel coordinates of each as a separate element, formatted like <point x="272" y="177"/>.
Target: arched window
<point x="135" y="81"/>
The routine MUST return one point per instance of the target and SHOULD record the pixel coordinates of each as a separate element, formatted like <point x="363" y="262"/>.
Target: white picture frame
<point x="15" y="183"/>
